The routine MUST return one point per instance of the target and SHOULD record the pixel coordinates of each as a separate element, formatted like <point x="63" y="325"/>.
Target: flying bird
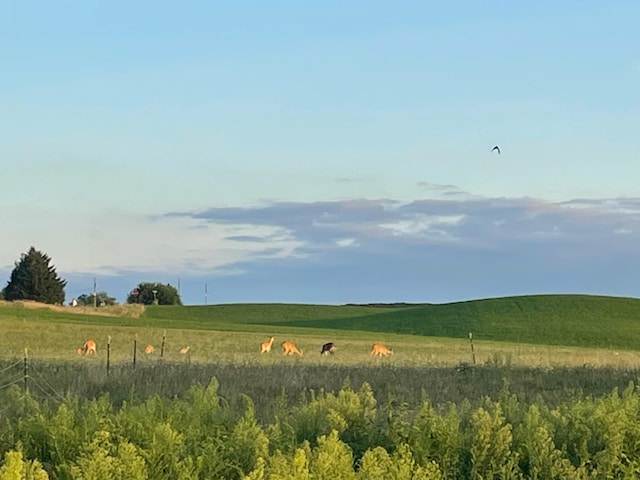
<point x="496" y="148"/>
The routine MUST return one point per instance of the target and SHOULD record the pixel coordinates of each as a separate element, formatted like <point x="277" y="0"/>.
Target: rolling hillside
<point x="572" y="320"/>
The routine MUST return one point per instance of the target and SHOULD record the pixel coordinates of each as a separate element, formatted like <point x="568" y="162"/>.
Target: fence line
<point x="10" y="366"/>
<point x="24" y="371"/>
<point x="11" y="382"/>
<point x="46" y="383"/>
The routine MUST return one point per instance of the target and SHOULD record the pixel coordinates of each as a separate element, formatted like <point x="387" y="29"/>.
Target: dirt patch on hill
<point x="126" y="310"/>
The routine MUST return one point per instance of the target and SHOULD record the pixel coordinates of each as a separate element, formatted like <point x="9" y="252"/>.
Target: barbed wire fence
<point x="37" y="380"/>
<point x="28" y="375"/>
<point x="11" y="375"/>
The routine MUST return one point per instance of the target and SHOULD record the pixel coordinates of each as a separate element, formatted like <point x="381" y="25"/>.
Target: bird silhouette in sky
<point x="496" y="148"/>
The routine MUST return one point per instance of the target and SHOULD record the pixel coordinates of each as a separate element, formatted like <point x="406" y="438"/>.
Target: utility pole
<point x="95" y="295"/>
<point x="205" y="293"/>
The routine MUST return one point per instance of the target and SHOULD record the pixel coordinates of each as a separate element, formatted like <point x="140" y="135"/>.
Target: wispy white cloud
<point x="346" y="242"/>
<point x="111" y="244"/>
<point x="469" y="245"/>
<point x="471" y="221"/>
<point x="422" y="225"/>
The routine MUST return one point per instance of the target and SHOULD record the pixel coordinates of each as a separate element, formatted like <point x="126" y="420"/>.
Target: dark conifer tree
<point x="33" y="278"/>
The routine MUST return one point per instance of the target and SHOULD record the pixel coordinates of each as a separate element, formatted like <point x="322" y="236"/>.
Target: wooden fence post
<point x="108" y="353"/>
<point x="473" y="354"/>
<point x="135" y="347"/>
<point x="164" y="336"/>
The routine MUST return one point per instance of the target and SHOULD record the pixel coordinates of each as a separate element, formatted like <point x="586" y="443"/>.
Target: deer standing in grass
<point x="328" y="348"/>
<point x="265" y="347"/>
<point x="184" y="350"/>
<point x="289" y="348"/>
<point x="88" y="348"/>
<point x="380" y="350"/>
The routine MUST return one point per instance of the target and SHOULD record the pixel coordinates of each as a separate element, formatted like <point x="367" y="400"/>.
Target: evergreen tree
<point x="33" y="278"/>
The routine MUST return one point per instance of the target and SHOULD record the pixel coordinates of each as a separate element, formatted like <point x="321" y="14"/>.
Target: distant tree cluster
<point x="150" y="293"/>
<point x="102" y="299"/>
<point x="34" y="278"/>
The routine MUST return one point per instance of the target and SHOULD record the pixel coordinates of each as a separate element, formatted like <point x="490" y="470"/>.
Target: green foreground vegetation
<point x="549" y="391"/>
<point x="351" y="433"/>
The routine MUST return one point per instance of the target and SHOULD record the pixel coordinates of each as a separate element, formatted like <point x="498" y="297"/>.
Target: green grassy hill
<point x="572" y="320"/>
<point x="257" y="313"/>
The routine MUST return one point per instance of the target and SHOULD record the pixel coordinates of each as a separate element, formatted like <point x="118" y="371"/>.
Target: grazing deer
<point x="289" y="348"/>
<point x="149" y="349"/>
<point x="265" y="347"/>
<point x="328" y="348"/>
<point x="88" y="348"/>
<point x="184" y="350"/>
<point x="380" y="350"/>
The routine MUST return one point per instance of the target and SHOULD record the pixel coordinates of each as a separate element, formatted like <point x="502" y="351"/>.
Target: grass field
<point x="546" y="330"/>
<point x="548" y="354"/>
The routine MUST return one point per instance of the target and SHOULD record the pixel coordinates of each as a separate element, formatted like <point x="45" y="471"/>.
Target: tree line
<point x="35" y="278"/>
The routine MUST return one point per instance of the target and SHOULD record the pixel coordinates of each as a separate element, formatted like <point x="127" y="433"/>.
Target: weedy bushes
<point x="345" y="434"/>
<point x="349" y="413"/>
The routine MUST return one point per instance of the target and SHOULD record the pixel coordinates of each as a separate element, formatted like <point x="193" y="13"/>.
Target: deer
<point x="184" y="350"/>
<point x="328" y="348"/>
<point x="265" y="347"/>
<point x="380" y="350"/>
<point x="289" y="348"/>
<point x="87" y="348"/>
<point x="149" y="349"/>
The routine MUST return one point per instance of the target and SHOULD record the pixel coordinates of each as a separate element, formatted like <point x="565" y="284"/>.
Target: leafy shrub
<point x="331" y="459"/>
<point x="437" y="438"/>
<point x="490" y="448"/>
<point x="351" y="414"/>
<point x="102" y="459"/>
<point x="15" y="467"/>
<point x="199" y="435"/>
<point x="377" y="464"/>
<point x="540" y="457"/>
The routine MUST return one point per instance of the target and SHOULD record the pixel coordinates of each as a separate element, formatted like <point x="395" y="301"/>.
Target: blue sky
<point x="324" y="151"/>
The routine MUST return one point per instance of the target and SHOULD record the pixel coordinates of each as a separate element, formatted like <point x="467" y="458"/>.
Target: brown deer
<point x="265" y="347"/>
<point x="88" y="348"/>
<point x="380" y="350"/>
<point x="289" y="348"/>
<point x="184" y="350"/>
<point x="149" y="349"/>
